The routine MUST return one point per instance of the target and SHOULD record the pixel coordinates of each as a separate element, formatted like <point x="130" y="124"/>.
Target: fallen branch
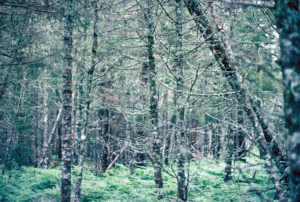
<point x="116" y="158"/>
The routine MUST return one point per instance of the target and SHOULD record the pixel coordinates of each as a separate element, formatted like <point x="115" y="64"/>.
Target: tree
<point x="157" y="155"/>
<point x="67" y="104"/>
<point x="85" y="131"/>
<point x="287" y="21"/>
<point x="182" y="149"/>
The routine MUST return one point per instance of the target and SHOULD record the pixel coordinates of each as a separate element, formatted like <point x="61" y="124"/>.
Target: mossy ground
<point x="35" y="184"/>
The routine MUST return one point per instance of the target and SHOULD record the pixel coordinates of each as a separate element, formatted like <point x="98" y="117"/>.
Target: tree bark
<point x="156" y="144"/>
<point x="46" y="149"/>
<point x="105" y="149"/>
<point x="205" y="145"/>
<point x="80" y="117"/>
<point x="167" y="135"/>
<point x="46" y="127"/>
<point x="229" y="138"/>
<point x="240" y="138"/>
<point x="288" y="22"/>
<point x="181" y="156"/>
<point x="73" y="119"/>
<point x="36" y="137"/>
<point x="85" y="132"/>
<point x="67" y="105"/>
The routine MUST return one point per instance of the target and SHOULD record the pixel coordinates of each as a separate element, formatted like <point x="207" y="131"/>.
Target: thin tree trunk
<point x="105" y="150"/>
<point x="67" y="105"/>
<point x="84" y="134"/>
<point x="288" y="21"/>
<point x="35" y="137"/>
<point x="46" y="149"/>
<point x="229" y="139"/>
<point x="240" y="138"/>
<point x="216" y="142"/>
<point x="131" y="139"/>
<point x="156" y="144"/>
<point x="181" y="156"/>
<point x="167" y="136"/>
<point x="46" y="127"/>
<point x="73" y="120"/>
<point x="276" y="152"/>
<point x="205" y="145"/>
<point x="59" y="145"/>
<point x="80" y="117"/>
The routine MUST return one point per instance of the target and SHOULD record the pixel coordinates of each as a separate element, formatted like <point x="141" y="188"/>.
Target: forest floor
<point x="206" y="184"/>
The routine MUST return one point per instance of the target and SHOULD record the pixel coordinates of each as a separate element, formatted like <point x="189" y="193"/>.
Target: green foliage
<point x="30" y="184"/>
<point x="21" y="154"/>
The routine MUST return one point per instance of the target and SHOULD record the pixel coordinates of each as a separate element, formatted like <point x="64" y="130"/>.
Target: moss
<point x="34" y="184"/>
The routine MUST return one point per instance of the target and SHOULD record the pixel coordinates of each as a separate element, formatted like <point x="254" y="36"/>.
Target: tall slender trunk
<point x="35" y="138"/>
<point x="181" y="156"/>
<point x="105" y="149"/>
<point x="240" y="138"/>
<point x="46" y="149"/>
<point x="84" y="132"/>
<point x="80" y="117"/>
<point x="131" y="139"/>
<point x="58" y="144"/>
<point x="288" y="21"/>
<point x="167" y="135"/>
<point x="74" y="114"/>
<point x="156" y="144"/>
<point x="67" y="105"/>
<point x="45" y="122"/>
<point x="217" y="142"/>
<point x="229" y="139"/>
<point x="205" y="145"/>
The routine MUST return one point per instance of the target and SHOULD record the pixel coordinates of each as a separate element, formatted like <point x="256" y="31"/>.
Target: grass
<point x="35" y="184"/>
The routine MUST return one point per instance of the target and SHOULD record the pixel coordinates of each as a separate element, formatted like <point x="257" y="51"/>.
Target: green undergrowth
<point x="206" y="184"/>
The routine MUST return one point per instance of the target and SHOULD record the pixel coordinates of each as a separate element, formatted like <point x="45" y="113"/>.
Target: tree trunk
<point x="156" y="144"/>
<point x="46" y="128"/>
<point x="59" y="145"/>
<point x="181" y="156"/>
<point x="229" y="139"/>
<point x="240" y="138"/>
<point x="80" y="117"/>
<point x="216" y="142"/>
<point x="67" y="105"/>
<point x="167" y="134"/>
<point x="84" y="131"/>
<point x="288" y="21"/>
<point x="205" y="145"/>
<point x="46" y="149"/>
<point x="104" y="148"/>
<point x="35" y="144"/>
<point x="73" y="120"/>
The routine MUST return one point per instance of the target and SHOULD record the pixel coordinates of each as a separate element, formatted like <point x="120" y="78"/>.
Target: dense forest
<point x="150" y="100"/>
